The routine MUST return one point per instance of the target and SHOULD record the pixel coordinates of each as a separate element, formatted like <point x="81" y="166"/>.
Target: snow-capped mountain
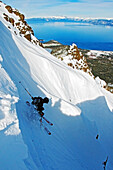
<point x="95" y="21"/>
<point x="80" y="109"/>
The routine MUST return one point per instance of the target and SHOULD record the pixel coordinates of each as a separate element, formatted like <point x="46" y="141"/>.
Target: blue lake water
<point x="86" y="36"/>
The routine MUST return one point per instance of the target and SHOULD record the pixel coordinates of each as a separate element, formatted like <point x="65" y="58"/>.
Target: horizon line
<point x="71" y="17"/>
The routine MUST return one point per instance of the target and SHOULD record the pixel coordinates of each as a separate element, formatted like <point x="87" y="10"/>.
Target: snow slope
<point x="79" y="108"/>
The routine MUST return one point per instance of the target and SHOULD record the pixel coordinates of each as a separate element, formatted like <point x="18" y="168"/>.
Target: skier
<point x="38" y="102"/>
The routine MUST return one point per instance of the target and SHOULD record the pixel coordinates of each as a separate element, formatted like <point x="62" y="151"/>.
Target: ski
<point x="48" y="132"/>
<point x="27" y="102"/>
<point x="47" y="121"/>
<point x="45" y="128"/>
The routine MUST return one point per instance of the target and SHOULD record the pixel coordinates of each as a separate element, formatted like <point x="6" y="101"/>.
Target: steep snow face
<point x="13" y="149"/>
<point x="79" y="108"/>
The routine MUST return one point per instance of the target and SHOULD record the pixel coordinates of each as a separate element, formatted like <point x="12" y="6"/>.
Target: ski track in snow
<point x="78" y="108"/>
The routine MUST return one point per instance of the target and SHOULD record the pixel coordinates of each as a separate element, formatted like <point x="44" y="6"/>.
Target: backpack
<point x="37" y="100"/>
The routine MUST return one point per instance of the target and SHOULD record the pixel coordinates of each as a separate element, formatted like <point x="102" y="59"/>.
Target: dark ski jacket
<point x="38" y="102"/>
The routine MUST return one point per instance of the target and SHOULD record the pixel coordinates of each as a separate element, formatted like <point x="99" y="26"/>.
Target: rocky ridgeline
<point x="76" y="60"/>
<point x="17" y="21"/>
<point x="79" y="59"/>
<point x="72" y="57"/>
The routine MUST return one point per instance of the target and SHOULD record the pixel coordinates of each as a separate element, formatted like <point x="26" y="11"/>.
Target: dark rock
<point x="9" y="9"/>
<point x="28" y="37"/>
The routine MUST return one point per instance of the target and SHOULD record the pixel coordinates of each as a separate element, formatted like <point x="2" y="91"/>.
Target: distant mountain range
<point x="95" y="21"/>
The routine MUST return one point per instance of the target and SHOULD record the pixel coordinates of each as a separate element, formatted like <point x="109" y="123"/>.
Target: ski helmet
<point x="46" y="100"/>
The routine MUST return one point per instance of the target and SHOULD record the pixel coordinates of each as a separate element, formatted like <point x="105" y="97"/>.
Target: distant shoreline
<point x="94" y="21"/>
<point x="85" y="35"/>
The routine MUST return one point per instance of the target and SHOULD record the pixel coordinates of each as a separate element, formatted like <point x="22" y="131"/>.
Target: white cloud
<point x="84" y="8"/>
<point x="79" y="9"/>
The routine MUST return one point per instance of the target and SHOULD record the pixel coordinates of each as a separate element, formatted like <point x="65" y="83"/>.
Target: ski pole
<point x="25" y="89"/>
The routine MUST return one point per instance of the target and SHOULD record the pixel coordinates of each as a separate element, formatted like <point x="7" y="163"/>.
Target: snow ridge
<point x="15" y="21"/>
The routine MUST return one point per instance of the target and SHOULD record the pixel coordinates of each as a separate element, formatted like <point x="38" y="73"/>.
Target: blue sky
<point x="75" y="8"/>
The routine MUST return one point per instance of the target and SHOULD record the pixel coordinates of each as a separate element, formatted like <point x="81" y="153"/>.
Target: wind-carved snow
<point x="66" y="107"/>
<point x="69" y="110"/>
<point x="13" y="149"/>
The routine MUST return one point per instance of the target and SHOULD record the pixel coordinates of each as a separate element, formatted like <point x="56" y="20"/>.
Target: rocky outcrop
<point x="72" y="57"/>
<point x="9" y="19"/>
<point x="10" y="10"/>
<point x="28" y="37"/>
<point x="77" y="60"/>
<point x="17" y="20"/>
<point x="51" y="43"/>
